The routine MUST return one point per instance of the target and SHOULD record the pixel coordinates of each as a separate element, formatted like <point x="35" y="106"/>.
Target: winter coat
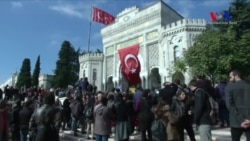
<point x="103" y="116"/>
<point x="121" y="126"/>
<point x="131" y="116"/>
<point x="201" y="108"/>
<point x="44" y="122"/>
<point x="164" y="113"/>
<point x="66" y="110"/>
<point x="238" y="95"/>
<point x="24" y="116"/>
<point x="167" y="93"/>
<point x="46" y="133"/>
<point x="4" y="136"/>
<point x="145" y="115"/>
<point x="15" y="122"/>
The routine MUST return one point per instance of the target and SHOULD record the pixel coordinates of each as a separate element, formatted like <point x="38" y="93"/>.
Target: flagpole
<point x="90" y="24"/>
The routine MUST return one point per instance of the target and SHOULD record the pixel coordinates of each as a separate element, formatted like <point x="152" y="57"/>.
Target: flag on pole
<point x="131" y="66"/>
<point x="101" y="16"/>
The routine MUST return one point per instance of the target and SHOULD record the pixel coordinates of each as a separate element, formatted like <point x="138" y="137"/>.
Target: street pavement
<point x="218" y="134"/>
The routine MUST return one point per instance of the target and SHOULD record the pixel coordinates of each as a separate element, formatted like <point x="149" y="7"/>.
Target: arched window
<point x="94" y="74"/>
<point x="176" y="53"/>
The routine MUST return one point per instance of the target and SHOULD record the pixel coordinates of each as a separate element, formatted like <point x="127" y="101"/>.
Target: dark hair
<point x="49" y="98"/>
<point x="178" y="82"/>
<point x="104" y="100"/>
<point x="145" y="93"/>
<point x="193" y="82"/>
<point x="237" y="73"/>
<point x="28" y="103"/>
<point x="89" y="88"/>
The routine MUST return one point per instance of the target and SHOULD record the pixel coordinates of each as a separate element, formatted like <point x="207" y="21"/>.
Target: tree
<point x="215" y="54"/>
<point x="36" y="72"/>
<point x="67" y="66"/>
<point x="223" y="48"/>
<point x="239" y="12"/>
<point x="24" y="77"/>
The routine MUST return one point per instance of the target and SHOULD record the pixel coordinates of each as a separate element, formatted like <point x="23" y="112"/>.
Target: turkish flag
<point x="131" y="66"/>
<point x="101" y="16"/>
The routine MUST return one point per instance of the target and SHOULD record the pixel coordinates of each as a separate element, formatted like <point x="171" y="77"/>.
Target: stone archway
<point x="154" y="79"/>
<point x="178" y="76"/>
<point x="110" y="84"/>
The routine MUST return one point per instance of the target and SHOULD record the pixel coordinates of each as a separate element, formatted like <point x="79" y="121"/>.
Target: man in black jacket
<point x="44" y="121"/>
<point x="168" y="92"/>
<point x="237" y="101"/>
<point x="25" y="115"/>
<point x="201" y="111"/>
<point x="14" y="124"/>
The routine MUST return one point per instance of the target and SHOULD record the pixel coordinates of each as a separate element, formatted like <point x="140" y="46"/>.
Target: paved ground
<point x="219" y="134"/>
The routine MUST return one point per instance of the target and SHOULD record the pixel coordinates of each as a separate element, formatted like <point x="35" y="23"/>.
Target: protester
<point x="121" y="121"/>
<point x="202" y="109"/>
<point x="15" y="122"/>
<point x="44" y="121"/>
<point x="4" y="120"/>
<point x="238" y="95"/>
<point x="25" y="115"/>
<point x="103" y="117"/>
<point x="145" y="115"/>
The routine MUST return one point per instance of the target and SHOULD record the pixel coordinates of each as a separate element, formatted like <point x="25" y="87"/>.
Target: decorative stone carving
<point x="110" y="65"/>
<point x="153" y="55"/>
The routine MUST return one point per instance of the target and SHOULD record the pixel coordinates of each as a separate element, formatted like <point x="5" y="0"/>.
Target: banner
<point x="131" y="66"/>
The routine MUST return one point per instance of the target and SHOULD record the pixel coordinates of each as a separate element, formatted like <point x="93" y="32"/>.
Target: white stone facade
<point x="91" y="66"/>
<point x="44" y="81"/>
<point x="162" y="33"/>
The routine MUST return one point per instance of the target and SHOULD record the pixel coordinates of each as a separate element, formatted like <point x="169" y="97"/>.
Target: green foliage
<point x="24" y="77"/>
<point x="239" y="11"/>
<point x="36" y="72"/>
<point x="223" y="48"/>
<point x="67" y="66"/>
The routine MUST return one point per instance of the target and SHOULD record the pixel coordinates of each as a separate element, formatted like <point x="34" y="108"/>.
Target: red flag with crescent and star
<point x="103" y="17"/>
<point x="131" y="66"/>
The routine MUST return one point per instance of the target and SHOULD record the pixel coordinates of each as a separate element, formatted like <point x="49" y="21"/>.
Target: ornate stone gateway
<point x="110" y="84"/>
<point x="155" y="78"/>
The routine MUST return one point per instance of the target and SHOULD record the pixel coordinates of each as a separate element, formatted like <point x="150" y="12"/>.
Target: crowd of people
<point x="39" y="115"/>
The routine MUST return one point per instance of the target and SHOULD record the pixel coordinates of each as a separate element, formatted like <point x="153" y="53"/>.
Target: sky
<point x="29" y="28"/>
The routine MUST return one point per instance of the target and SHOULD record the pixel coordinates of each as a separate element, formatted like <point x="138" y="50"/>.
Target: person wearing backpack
<point x="201" y="111"/>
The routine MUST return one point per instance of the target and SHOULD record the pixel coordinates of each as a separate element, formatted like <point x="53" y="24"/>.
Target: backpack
<point x="158" y="130"/>
<point x="214" y="106"/>
<point x="89" y="113"/>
